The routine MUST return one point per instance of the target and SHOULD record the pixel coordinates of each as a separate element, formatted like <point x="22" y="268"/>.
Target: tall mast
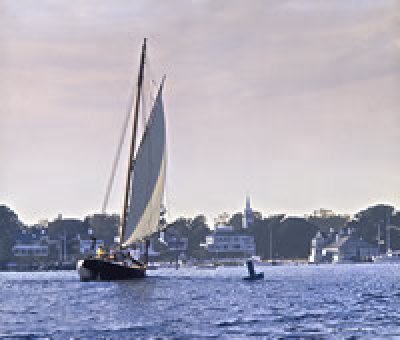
<point x="133" y="143"/>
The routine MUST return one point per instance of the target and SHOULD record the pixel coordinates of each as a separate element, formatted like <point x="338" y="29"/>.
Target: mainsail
<point x="146" y="187"/>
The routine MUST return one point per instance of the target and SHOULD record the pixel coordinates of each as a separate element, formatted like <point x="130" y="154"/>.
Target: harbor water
<point x="328" y="301"/>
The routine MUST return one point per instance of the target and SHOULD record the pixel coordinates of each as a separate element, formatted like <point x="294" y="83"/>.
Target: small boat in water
<point x="143" y="194"/>
<point x="252" y="274"/>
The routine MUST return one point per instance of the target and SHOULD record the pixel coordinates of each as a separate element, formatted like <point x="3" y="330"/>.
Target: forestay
<point x="148" y="178"/>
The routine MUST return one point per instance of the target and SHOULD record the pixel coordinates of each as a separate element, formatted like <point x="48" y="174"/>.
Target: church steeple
<point x="247" y="214"/>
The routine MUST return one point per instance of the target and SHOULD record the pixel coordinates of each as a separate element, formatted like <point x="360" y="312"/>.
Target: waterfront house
<point x="31" y="243"/>
<point x="349" y="248"/>
<point x="173" y="241"/>
<point x="344" y="246"/>
<point x="224" y="240"/>
<point x="318" y="243"/>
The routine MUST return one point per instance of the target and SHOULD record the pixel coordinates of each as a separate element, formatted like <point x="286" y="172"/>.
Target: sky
<point x="295" y="103"/>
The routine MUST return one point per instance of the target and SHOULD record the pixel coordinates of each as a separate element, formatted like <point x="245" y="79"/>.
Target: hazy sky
<point x="294" y="102"/>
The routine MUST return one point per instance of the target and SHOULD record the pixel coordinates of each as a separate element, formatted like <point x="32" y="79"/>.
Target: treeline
<point x="291" y="236"/>
<point x="12" y="228"/>
<point x="279" y="235"/>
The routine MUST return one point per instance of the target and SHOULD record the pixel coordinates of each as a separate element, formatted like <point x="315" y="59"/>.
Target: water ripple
<point x="349" y="301"/>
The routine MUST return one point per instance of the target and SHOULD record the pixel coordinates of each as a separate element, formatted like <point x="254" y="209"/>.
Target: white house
<point x="31" y="243"/>
<point x="349" y="248"/>
<point x="317" y="244"/>
<point x="225" y="240"/>
<point x="344" y="246"/>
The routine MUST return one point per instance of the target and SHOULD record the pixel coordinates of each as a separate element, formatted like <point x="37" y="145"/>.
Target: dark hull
<point x="93" y="269"/>
<point x="258" y="276"/>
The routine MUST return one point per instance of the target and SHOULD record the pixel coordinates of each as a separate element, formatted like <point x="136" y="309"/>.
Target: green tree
<point x="105" y="227"/>
<point x="9" y="227"/>
<point x="293" y="237"/>
<point x="71" y="227"/>
<point x="326" y="223"/>
<point x="366" y="223"/>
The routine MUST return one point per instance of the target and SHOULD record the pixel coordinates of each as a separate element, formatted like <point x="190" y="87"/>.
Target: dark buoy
<point x="252" y="274"/>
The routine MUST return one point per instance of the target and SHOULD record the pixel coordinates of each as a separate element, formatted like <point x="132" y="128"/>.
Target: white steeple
<point x="247" y="214"/>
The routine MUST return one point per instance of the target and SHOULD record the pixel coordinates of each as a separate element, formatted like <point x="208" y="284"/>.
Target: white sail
<point x="147" y="184"/>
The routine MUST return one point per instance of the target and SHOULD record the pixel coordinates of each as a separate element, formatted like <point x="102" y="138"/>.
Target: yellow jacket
<point x="100" y="252"/>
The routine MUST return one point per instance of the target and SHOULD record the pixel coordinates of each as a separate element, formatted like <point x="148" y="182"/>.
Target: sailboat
<point x="143" y="194"/>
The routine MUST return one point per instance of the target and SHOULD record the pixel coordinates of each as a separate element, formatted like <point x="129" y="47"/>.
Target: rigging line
<point x="116" y="160"/>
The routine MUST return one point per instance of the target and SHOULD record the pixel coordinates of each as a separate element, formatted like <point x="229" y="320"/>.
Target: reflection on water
<point x="304" y="301"/>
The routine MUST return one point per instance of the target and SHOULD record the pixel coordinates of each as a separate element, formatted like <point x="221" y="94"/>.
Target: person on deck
<point x="100" y="252"/>
<point x="111" y="256"/>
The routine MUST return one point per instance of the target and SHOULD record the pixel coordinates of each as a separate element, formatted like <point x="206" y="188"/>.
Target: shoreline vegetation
<point x="291" y="236"/>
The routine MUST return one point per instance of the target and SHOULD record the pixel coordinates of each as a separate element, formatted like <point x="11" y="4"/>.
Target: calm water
<point x="330" y="301"/>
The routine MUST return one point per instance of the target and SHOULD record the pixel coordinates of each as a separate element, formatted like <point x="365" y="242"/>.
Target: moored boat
<point x="91" y="269"/>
